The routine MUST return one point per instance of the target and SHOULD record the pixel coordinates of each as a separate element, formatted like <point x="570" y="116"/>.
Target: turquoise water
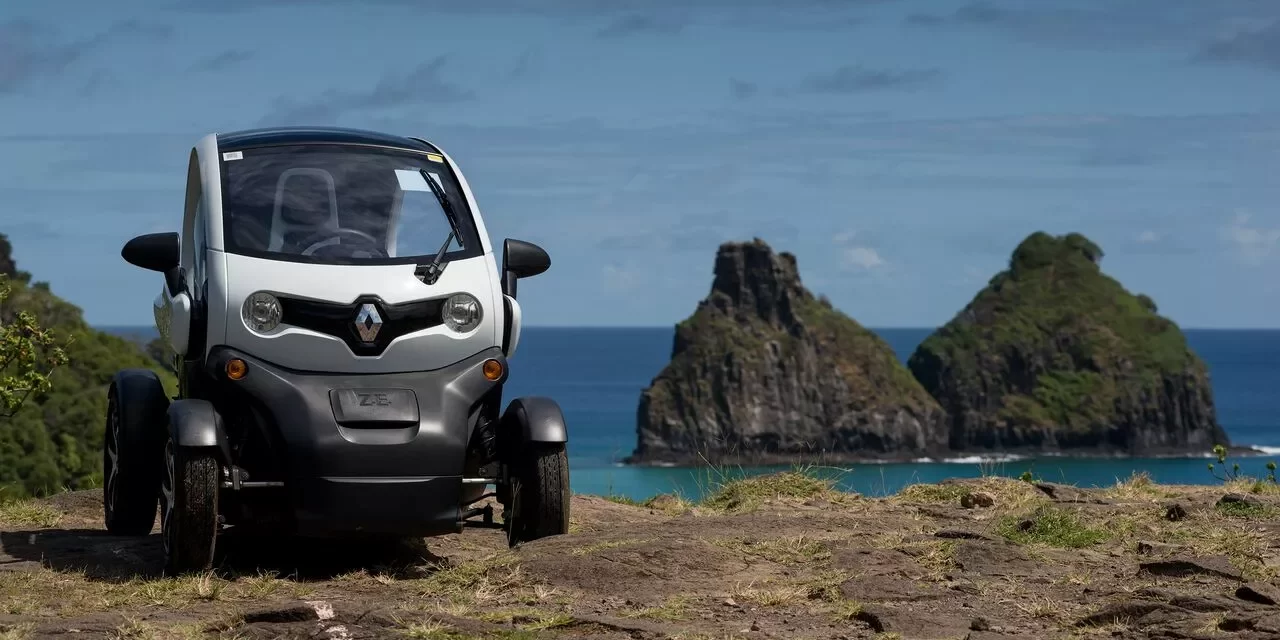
<point x="597" y="374"/>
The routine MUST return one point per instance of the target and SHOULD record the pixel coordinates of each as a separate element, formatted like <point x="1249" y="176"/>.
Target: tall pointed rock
<point x="765" y="372"/>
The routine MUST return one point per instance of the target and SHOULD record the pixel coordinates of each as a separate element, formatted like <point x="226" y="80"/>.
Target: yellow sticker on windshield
<point x="435" y="158"/>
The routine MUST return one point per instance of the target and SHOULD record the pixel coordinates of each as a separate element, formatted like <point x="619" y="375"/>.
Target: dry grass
<point x="932" y="493"/>
<point x="674" y="608"/>
<point x="70" y="592"/>
<point x="936" y="557"/>
<point x="479" y="580"/>
<point x="29" y="513"/>
<point x="16" y="632"/>
<point x="783" y="568"/>
<point x="667" y="503"/>
<point x="788" y="550"/>
<point x="747" y="494"/>
<point x="781" y="595"/>
<point x="1138" y="487"/>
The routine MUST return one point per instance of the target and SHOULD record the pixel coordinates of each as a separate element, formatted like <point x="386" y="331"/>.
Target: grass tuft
<point x="746" y="494"/>
<point x="933" y="493"/>
<point x="1245" y="510"/>
<point x="29" y="513"/>
<point x="475" y="580"/>
<point x="1051" y="526"/>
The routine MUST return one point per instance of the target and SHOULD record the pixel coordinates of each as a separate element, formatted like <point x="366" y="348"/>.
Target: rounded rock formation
<point x="1054" y="355"/>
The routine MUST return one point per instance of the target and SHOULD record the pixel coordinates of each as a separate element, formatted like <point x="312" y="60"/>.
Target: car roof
<point x="318" y="135"/>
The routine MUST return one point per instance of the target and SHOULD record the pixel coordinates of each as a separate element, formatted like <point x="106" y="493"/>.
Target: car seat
<point x="309" y="204"/>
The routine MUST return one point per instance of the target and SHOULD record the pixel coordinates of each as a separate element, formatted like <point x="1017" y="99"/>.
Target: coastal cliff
<point x="763" y="371"/>
<point x="1054" y="355"/>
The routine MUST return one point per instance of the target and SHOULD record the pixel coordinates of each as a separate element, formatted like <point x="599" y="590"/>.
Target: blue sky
<point x="900" y="149"/>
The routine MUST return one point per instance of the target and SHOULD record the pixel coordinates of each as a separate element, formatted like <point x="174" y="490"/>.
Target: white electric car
<point x="342" y="330"/>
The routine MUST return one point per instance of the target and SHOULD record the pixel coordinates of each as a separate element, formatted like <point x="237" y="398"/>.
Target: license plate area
<point x="374" y="408"/>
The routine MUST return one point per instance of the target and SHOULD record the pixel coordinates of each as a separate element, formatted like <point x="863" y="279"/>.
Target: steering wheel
<point x="317" y="241"/>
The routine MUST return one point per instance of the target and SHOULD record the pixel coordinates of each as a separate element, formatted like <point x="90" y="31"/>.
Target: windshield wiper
<point x="429" y="273"/>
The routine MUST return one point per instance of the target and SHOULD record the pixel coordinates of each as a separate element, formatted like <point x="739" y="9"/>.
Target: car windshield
<point x="341" y="204"/>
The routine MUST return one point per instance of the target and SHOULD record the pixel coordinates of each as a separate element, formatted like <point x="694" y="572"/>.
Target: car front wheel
<point x="539" y="494"/>
<point x="189" y="509"/>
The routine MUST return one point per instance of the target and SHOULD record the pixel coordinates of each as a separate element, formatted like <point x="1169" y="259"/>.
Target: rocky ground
<point x="778" y="557"/>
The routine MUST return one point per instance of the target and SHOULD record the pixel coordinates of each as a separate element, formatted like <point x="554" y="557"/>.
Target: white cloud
<point x="1252" y="243"/>
<point x="856" y="256"/>
<point x="1148" y="237"/>
<point x="862" y="258"/>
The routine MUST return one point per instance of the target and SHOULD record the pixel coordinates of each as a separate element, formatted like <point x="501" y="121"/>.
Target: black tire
<point x="132" y="445"/>
<point x="189" y="509"/>
<point x="539" y="495"/>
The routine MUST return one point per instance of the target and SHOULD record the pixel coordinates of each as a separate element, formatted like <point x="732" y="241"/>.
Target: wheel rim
<point x="113" y="453"/>
<point x="166" y="495"/>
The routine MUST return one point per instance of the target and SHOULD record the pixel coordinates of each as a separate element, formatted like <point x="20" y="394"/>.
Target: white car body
<point x="232" y="278"/>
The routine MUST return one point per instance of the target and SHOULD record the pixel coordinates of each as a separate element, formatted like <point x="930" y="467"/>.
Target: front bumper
<point x="369" y="453"/>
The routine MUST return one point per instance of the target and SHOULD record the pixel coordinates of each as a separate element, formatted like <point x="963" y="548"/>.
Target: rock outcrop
<point x="1054" y="355"/>
<point x="765" y="372"/>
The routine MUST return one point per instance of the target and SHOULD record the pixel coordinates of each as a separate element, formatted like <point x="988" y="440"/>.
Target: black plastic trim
<point x="196" y="424"/>
<point x="536" y="419"/>
<point x="270" y="136"/>
<point x="338" y="320"/>
<point x="506" y="324"/>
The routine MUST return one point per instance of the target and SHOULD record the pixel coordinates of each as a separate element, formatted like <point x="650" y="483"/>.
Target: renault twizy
<point x="341" y="332"/>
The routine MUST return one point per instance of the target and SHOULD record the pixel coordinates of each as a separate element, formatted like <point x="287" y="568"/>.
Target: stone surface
<point x="1258" y="592"/>
<point x="1183" y="566"/>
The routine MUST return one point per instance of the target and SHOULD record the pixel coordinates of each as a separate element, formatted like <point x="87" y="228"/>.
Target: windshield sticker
<point x="412" y="180"/>
<point x="233" y="155"/>
<point x="435" y="158"/>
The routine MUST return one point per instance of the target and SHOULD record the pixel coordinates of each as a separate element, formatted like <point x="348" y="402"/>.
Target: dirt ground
<point x="774" y="557"/>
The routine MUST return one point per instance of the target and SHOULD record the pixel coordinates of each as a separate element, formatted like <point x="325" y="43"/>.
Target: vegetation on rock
<point x="53" y="440"/>
<point x="764" y="369"/>
<point x="1054" y="354"/>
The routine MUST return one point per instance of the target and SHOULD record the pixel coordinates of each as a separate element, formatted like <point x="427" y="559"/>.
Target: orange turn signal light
<point x="492" y="369"/>
<point x="236" y="368"/>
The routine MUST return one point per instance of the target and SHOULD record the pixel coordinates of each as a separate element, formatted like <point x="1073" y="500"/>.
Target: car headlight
<point x="461" y="312"/>
<point x="261" y="312"/>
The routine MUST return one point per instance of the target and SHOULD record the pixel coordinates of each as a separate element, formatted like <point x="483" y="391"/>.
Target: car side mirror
<point x="521" y="259"/>
<point x="156" y="252"/>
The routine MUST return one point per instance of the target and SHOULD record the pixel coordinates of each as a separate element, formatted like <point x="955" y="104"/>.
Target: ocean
<point x="597" y="374"/>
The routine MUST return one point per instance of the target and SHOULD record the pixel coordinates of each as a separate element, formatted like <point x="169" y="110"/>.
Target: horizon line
<point x="673" y="326"/>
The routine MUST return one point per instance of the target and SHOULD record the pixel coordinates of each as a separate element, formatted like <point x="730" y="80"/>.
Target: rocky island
<point x="1056" y="356"/>
<point x="763" y="372"/>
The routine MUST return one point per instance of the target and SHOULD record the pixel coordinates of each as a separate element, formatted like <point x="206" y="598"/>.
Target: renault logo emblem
<point x="368" y="322"/>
